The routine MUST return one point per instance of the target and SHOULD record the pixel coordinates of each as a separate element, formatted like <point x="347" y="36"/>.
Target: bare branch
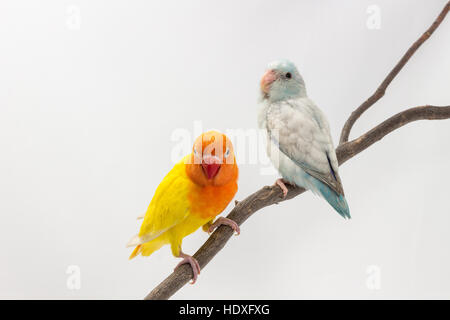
<point x="271" y="195"/>
<point x="350" y="149"/>
<point x="383" y="86"/>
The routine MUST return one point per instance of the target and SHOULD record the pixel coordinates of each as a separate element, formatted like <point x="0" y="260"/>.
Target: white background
<point x="89" y="103"/>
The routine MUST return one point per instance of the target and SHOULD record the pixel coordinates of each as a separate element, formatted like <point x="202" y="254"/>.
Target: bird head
<point x="282" y="81"/>
<point x="212" y="161"/>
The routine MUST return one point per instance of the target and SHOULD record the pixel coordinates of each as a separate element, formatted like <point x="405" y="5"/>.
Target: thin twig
<point x="383" y="86"/>
<point x="271" y="195"/>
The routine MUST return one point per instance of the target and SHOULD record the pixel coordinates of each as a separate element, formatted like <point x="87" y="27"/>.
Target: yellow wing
<point x="169" y="206"/>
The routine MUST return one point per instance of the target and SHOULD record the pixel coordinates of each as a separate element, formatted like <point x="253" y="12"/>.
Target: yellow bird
<point x="191" y="195"/>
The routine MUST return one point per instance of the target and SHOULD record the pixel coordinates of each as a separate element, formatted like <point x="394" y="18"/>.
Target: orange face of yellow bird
<point x="212" y="162"/>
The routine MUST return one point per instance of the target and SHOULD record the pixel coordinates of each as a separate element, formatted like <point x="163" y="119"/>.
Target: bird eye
<point x="227" y="152"/>
<point x="288" y="75"/>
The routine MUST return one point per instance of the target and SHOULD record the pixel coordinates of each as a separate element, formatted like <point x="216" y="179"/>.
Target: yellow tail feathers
<point x="135" y="252"/>
<point x="147" y="248"/>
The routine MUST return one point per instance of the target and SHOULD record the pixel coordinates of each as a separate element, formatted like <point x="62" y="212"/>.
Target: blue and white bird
<point x="299" y="142"/>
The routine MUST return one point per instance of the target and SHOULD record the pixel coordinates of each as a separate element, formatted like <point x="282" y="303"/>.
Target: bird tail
<point x="337" y="201"/>
<point x="135" y="252"/>
<point x="147" y="248"/>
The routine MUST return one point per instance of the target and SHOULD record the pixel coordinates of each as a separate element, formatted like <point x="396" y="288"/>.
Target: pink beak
<point x="211" y="166"/>
<point x="268" y="78"/>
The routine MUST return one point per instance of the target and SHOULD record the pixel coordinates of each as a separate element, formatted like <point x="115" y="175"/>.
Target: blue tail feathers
<point x="337" y="201"/>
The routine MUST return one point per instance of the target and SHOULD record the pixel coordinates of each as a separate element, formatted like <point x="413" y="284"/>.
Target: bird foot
<point x="224" y="221"/>
<point x="282" y="184"/>
<point x="194" y="265"/>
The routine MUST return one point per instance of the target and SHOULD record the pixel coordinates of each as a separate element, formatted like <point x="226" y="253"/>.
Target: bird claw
<point x="194" y="265"/>
<point x="282" y="185"/>
<point x="225" y="221"/>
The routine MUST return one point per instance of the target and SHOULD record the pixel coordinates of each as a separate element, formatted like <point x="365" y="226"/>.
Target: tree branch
<point x="350" y="149"/>
<point x="270" y="195"/>
<point x="383" y="86"/>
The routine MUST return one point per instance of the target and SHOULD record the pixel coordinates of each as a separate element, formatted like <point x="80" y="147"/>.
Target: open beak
<point x="268" y="78"/>
<point x="211" y="166"/>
